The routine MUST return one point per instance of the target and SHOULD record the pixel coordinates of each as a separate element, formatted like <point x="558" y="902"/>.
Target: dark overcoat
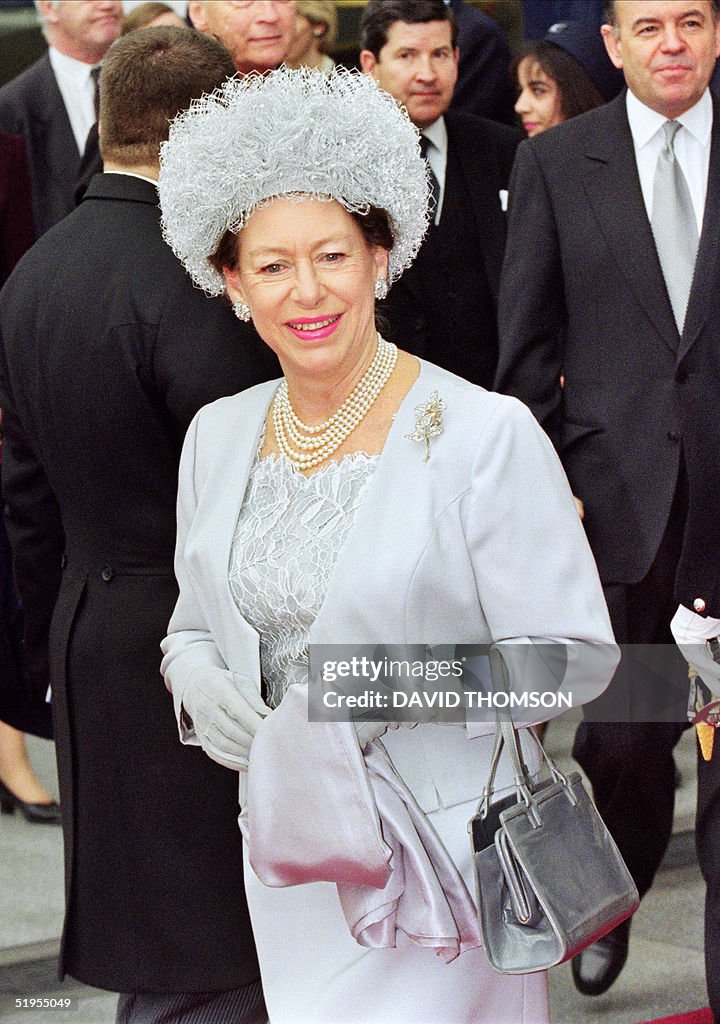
<point x="637" y="396"/>
<point x="107" y="351"/>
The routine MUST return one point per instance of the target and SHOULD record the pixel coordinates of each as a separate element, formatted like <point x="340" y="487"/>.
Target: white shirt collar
<point x="645" y="122"/>
<point x="78" y="70"/>
<point x="437" y="134"/>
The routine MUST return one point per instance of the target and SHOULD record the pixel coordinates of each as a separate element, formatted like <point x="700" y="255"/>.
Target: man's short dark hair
<point x="610" y="10"/>
<point x="380" y="15"/>
<point x="147" y="78"/>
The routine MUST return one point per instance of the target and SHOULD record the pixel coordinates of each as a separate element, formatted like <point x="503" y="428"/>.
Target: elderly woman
<point x="316" y="25"/>
<point x="366" y="498"/>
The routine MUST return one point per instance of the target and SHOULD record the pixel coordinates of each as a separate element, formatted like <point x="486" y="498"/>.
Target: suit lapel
<point x="613" y="189"/>
<point x="707" y="257"/>
<point x="54" y="141"/>
<point x="480" y="183"/>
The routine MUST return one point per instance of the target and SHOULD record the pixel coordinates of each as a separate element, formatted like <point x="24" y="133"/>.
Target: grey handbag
<point x="550" y="879"/>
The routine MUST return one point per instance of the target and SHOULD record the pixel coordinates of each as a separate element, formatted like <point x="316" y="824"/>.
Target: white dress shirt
<point x="692" y="148"/>
<point x="78" y="92"/>
<point x="436" y="134"/>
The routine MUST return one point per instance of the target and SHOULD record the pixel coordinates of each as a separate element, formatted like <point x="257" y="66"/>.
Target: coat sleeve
<point x="531" y="309"/>
<point x="536" y="577"/>
<point x="189" y="643"/>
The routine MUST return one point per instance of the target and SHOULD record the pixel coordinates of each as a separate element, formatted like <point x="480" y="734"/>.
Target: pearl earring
<point x="241" y="311"/>
<point x="381" y="288"/>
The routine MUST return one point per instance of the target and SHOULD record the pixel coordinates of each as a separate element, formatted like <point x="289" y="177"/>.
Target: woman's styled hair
<point x="321" y="12"/>
<point x="577" y="91"/>
<point x="300" y="134"/>
<point x="145" y="14"/>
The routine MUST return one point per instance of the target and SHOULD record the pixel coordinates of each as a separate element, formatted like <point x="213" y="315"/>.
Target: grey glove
<point x="225" y="710"/>
<point x="368" y="731"/>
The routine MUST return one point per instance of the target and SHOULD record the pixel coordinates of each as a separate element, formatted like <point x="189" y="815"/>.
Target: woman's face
<point x="539" y="104"/>
<point x="308" y="275"/>
<point x="304" y="41"/>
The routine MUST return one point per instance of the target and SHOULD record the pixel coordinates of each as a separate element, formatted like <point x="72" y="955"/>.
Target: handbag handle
<point x="506" y="735"/>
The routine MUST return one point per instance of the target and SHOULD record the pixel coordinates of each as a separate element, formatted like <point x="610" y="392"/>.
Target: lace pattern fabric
<point x="288" y="536"/>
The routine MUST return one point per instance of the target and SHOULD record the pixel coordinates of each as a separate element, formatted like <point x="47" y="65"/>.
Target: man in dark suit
<point x="444" y="307"/>
<point x="611" y="214"/>
<point x="106" y="352"/>
<point x="53" y="103"/>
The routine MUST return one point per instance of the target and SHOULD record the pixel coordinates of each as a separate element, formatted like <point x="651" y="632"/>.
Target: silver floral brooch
<point x="428" y="422"/>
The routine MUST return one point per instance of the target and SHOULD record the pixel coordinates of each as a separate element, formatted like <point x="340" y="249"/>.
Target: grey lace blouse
<point x="288" y="536"/>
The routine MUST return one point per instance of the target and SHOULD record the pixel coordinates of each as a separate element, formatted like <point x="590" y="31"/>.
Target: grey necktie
<point x="425" y="144"/>
<point x="674" y="225"/>
<point x="95" y="75"/>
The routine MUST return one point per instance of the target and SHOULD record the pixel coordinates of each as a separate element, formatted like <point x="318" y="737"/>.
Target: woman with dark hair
<point x="565" y="74"/>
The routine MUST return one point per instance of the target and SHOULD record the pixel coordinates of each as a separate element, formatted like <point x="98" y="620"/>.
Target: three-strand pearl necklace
<point x="305" y="446"/>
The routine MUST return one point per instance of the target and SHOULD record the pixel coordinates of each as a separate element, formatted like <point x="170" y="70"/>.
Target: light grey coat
<point x="481" y="543"/>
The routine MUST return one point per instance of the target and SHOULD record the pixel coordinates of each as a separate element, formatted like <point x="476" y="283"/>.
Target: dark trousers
<point x="630" y="763"/>
<point x="707" y="841"/>
<point x="244" y="1005"/>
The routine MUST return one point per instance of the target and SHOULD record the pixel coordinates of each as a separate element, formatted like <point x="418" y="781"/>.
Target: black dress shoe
<point x="597" y="967"/>
<point x="37" y="814"/>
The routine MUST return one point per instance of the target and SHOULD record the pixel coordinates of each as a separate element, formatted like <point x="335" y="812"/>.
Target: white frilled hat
<point x="296" y="133"/>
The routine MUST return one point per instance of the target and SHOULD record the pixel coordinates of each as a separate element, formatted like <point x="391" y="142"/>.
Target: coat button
<point x="107" y="573"/>
<point x="699" y="605"/>
<point x="681" y="376"/>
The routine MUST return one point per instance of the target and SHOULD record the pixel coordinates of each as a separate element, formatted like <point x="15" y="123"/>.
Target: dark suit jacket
<point x="16" y="223"/>
<point x="106" y="352"/>
<point x="583" y="295"/>
<point x="484" y="86"/>
<point x="484" y="151"/>
<point x="31" y="105"/>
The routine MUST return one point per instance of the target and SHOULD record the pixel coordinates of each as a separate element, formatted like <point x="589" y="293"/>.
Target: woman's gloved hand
<point x="366" y="732"/>
<point x="225" y="710"/>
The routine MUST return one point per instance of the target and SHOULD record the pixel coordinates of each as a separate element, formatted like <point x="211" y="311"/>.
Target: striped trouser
<point x="236" y="1006"/>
